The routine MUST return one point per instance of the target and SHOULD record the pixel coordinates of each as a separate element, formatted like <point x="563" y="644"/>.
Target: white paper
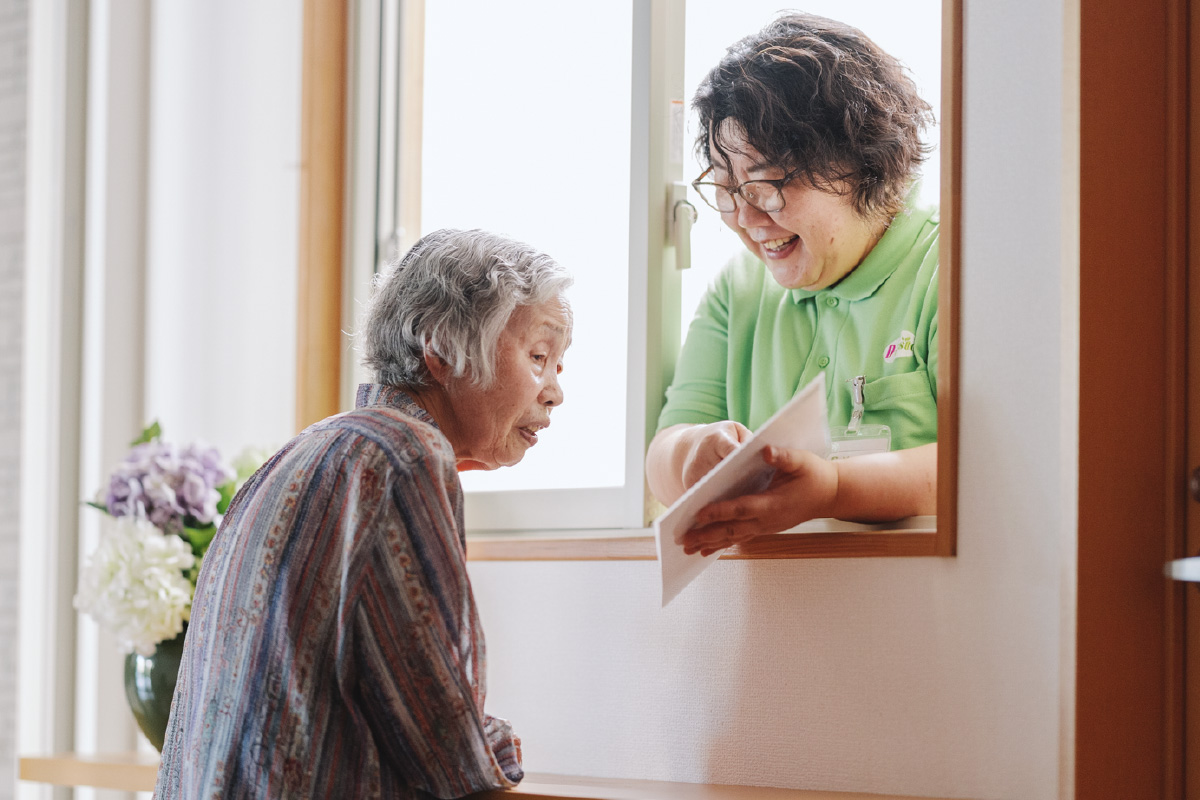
<point x="799" y="425"/>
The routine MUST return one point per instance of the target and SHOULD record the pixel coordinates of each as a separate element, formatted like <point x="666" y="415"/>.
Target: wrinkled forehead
<point x="552" y="318"/>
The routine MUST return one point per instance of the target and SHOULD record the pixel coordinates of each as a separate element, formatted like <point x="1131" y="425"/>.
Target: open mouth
<point x="779" y="248"/>
<point x="530" y="432"/>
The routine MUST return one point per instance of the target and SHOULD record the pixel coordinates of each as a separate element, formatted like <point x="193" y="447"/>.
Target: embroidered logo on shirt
<point x="900" y="347"/>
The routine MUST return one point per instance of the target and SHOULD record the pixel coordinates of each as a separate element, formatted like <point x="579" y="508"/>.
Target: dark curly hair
<point x="819" y="99"/>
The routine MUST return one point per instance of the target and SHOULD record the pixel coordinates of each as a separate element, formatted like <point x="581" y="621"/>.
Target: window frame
<point x="383" y="214"/>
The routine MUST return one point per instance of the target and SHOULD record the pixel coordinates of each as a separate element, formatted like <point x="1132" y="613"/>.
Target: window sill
<point x="820" y="538"/>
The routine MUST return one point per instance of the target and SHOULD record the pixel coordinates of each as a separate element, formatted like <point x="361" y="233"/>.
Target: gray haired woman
<point x="334" y="648"/>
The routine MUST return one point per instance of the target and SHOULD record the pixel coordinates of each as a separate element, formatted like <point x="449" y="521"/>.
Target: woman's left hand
<point x="805" y="487"/>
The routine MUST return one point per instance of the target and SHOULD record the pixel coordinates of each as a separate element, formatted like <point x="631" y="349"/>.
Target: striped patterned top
<point x="334" y="648"/>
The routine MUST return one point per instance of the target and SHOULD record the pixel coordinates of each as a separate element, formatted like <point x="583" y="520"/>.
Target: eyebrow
<point x="758" y="166"/>
<point x="561" y="331"/>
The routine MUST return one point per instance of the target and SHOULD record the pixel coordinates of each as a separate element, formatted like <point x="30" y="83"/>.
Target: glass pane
<point x="526" y="132"/>
<point x="910" y="31"/>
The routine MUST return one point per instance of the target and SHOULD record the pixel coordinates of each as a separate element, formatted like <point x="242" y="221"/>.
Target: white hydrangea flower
<point x="134" y="584"/>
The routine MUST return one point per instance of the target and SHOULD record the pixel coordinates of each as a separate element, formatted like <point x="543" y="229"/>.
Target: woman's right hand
<point x="704" y="446"/>
<point x="681" y="455"/>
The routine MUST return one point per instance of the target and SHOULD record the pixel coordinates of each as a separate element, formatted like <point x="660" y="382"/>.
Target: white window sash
<point x="385" y="131"/>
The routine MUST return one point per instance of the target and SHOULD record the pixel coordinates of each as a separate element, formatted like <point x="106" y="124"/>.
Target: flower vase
<point x="150" y="685"/>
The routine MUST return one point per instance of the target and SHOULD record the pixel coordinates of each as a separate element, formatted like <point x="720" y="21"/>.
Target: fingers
<point x="696" y="469"/>
<point x="787" y="460"/>
<point x="799" y="492"/>
<point x="750" y="506"/>
<point x="711" y="538"/>
<point x="710" y="445"/>
<point x="727" y="523"/>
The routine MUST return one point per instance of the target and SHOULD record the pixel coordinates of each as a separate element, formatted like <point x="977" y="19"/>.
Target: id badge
<point x="857" y="439"/>
<point x="846" y="442"/>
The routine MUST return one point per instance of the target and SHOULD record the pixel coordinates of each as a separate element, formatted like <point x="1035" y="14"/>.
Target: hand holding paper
<point x="804" y="486"/>
<point x="799" y="425"/>
<point x="709" y="445"/>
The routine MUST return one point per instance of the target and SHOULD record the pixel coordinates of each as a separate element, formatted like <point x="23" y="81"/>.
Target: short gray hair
<point x="452" y="293"/>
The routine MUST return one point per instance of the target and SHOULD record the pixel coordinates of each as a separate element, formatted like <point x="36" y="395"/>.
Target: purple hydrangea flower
<point x="123" y="496"/>
<point x="166" y="484"/>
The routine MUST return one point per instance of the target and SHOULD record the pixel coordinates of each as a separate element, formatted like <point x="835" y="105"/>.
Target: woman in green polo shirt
<point x="813" y="138"/>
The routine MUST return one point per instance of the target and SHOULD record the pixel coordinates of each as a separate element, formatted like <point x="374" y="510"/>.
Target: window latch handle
<point x="683" y="216"/>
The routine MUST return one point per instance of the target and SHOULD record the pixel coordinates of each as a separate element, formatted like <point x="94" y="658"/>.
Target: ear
<point x="437" y="366"/>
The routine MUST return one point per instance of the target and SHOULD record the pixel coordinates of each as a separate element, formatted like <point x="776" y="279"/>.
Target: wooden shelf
<point x="133" y="772"/>
<point x="543" y="786"/>
<point x="128" y="772"/>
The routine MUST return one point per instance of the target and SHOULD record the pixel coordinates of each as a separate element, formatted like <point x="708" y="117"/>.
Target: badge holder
<point x="856" y="439"/>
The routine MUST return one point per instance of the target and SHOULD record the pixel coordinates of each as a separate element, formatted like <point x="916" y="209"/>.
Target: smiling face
<point x="813" y="242"/>
<point x="494" y="426"/>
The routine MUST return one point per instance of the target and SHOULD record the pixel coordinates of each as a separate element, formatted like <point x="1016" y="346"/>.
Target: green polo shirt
<point x="753" y="344"/>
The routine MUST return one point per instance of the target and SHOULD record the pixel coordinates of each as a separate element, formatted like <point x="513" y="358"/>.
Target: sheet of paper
<point x="801" y="425"/>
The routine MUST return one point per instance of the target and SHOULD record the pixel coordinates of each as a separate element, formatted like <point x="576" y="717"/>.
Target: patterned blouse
<point x="334" y="648"/>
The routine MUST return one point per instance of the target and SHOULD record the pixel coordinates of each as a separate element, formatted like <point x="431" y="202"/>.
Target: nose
<point x="746" y="215"/>
<point x="552" y="394"/>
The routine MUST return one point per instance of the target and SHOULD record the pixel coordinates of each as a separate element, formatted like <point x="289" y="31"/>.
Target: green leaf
<point x="200" y="539"/>
<point x="151" y="432"/>
<point x="227" y="490"/>
<point x="94" y="504"/>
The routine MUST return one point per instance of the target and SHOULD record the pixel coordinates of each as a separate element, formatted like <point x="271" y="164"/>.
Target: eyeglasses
<point x="763" y="195"/>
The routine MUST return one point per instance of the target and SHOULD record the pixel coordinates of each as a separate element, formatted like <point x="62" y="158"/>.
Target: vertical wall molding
<point x="51" y="377"/>
<point x="114" y="327"/>
<point x="14" y="34"/>
<point x="1069" y="402"/>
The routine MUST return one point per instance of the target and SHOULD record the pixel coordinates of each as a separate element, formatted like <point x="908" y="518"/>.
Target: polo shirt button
<point x="823" y="361"/>
<point x="831" y="301"/>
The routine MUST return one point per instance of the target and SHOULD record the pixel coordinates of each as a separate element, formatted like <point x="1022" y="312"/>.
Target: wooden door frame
<point x="1128" y="704"/>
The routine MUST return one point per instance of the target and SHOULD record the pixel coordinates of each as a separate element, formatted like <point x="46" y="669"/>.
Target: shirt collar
<point x="884" y="258"/>
<point x="381" y="394"/>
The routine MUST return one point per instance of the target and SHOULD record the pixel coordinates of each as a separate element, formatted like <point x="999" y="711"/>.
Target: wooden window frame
<point x="324" y="258"/>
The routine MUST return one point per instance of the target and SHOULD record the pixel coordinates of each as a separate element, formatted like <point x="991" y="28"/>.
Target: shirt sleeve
<point x="506" y="746"/>
<point x="698" y="391"/>
<point x="414" y="660"/>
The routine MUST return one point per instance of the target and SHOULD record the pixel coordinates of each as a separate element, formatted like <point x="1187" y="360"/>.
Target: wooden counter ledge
<point x="134" y="772"/>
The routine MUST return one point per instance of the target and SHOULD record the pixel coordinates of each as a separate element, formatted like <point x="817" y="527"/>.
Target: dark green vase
<point x="149" y="686"/>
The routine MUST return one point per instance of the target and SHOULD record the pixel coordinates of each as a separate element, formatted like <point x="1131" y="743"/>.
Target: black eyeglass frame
<point x="776" y="183"/>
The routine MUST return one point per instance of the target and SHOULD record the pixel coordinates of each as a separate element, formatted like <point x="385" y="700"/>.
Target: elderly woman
<point x="811" y="134"/>
<point x="334" y="648"/>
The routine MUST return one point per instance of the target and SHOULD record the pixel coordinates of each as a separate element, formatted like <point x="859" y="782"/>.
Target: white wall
<point x="223" y="200"/>
<point x="925" y="676"/>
